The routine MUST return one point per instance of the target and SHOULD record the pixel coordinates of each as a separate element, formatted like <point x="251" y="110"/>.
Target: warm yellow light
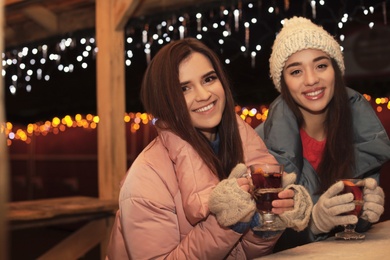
<point x="30" y="128"/>
<point x="135" y="126"/>
<point x="78" y="117"/>
<point x="56" y="121"/>
<point x="144" y="116"/>
<point x="368" y="97"/>
<point x="245" y="111"/>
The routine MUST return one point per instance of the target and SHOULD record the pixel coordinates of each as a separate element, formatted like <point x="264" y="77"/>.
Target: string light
<point x="253" y="116"/>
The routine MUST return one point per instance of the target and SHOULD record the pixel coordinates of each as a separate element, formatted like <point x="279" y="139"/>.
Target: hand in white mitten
<point x="326" y="212"/>
<point x="374" y="200"/>
<point x="299" y="217"/>
<point x="229" y="202"/>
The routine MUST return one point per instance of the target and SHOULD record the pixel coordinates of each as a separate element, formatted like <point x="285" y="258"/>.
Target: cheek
<point x="292" y="85"/>
<point x="188" y="99"/>
<point x="223" y="97"/>
<point x="222" y="94"/>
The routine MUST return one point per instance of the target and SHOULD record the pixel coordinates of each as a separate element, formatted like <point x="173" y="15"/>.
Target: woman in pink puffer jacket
<point x="164" y="202"/>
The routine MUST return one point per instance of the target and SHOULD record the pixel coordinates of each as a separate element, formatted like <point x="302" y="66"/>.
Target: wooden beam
<point x="111" y="17"/>
<point x="81" y="241"/>
<point x="11" y="2"/>
<point x="123" y="10"/>
<point x="43" y="17"/>
<point x="4" y="162"/>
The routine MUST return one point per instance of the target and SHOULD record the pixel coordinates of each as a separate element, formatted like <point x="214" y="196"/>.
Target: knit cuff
<point x="240" y="227"/>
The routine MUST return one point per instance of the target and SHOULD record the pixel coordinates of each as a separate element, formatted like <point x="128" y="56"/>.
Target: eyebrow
<point x="204" y="76"/>
<point x="315" y="60"/>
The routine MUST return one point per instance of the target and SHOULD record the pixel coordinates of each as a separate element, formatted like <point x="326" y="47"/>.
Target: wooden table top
<point x="376" y="245"/>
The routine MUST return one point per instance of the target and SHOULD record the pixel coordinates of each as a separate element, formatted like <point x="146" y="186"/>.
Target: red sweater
<point x="312" y="149"/>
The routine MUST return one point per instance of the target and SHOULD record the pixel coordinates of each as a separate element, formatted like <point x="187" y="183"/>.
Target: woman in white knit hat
<point x="322" y="130"/>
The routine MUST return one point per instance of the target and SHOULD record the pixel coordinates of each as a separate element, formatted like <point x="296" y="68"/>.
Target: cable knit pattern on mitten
<point x="299" y="217"/>
<point x="230" y="203"/>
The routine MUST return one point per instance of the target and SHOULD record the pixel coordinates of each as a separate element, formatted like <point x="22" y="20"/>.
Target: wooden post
<point x="4" y="167"/>
<point x="111" y="17"/>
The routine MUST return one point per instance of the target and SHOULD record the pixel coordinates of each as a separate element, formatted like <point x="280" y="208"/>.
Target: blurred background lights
<point x="22" y="66"/>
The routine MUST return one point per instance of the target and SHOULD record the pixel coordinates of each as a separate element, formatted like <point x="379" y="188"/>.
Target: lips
<point x="205" y="109"/>
<point x="315" y="94"/>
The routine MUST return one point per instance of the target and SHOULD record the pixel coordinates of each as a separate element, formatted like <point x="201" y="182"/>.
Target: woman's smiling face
<point x="203" y="92"/>
<point x="310" y="78"/>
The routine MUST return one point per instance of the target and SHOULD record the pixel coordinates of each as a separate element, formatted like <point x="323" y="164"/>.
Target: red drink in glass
<point x="267" y="183"/>
<point x="352" y="187"/>
<point x="267" y="186"/>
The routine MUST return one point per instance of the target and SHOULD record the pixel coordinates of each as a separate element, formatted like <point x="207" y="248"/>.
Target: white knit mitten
<point x="299" y="217"/>
<point x="229" y="202"/>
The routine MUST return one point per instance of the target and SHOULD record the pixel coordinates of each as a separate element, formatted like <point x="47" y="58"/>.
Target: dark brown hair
<point x="163" y="97"/>
<point x="338" y="159"/>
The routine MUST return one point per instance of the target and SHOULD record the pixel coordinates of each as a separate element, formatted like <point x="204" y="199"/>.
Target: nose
<point x="311" y="78"/>
<point x="202" y="94"/>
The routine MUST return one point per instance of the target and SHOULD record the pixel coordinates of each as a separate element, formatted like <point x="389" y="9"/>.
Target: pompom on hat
<point x="298" y="34"/>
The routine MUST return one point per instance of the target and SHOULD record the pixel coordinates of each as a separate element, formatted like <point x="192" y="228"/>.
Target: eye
<point x="185" y="88"/>
<point x="322" y="66"/>
<point x="210" y="78"/>
<point x="295" y="72"/>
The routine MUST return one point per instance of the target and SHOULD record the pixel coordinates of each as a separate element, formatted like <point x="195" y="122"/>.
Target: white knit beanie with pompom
<point x="297" y="34"/>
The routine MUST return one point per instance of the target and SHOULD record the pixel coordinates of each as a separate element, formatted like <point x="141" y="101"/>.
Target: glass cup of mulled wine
<point x="354" y="186"/>
<point x="267" y="183"/>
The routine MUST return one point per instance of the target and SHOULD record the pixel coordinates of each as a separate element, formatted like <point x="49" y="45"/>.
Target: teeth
<point x="203" y="109"/>
<point x="315" y="93"/>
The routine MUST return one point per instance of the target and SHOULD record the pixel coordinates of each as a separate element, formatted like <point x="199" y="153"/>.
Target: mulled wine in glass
<point x="267" y="183"/>
<point x="354" y="186"/>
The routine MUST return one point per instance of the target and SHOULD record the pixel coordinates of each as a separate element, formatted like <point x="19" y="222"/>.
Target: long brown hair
<point x="338" y="159"/>
<point x="162" y="97"/>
